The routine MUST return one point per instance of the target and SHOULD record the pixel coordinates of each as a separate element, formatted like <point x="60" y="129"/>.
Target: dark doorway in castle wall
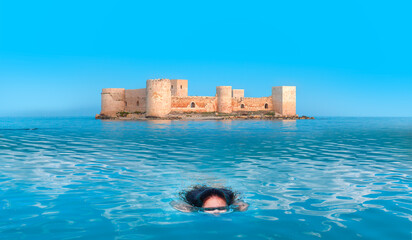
<point x="192" y="105"/>
<point x="137" y="103"/>
<point x="266" y="106"/>
<point x="242" y="105"/>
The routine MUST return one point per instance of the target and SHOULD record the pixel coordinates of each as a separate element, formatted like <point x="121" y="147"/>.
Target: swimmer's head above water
<point x="210" y="200"/>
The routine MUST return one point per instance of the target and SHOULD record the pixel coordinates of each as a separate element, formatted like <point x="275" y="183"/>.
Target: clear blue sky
<point x="347" y="58"/>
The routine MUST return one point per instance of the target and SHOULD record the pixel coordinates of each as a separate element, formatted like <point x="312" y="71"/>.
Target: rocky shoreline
<point x="204" y="116"/>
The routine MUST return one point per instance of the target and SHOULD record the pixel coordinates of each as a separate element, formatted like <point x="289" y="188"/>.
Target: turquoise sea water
<point x="329" y="178"/>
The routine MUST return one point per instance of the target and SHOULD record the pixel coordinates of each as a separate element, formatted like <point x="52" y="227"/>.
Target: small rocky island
<point x="203" y="116"/>
<point x="168" y="99"/>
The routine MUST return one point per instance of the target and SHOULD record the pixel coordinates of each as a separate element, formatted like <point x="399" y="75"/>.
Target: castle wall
<point x="158" y="97"/>
<point x="194" y="104"/>
<point x="179" y="87"/>
<point x="253" y="104"/>
<point x="284" y="100"/>
<point x="113" y="101"/>
<point x="135" y="100"/>
<point x="224" y="99"/>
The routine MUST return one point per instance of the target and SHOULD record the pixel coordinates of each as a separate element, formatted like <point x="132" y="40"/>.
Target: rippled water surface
<point x="329" y="178"/>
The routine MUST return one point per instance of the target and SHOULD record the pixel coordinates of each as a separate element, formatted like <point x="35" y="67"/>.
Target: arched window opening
<point x="125" y="104"/>
<point x="242" y="105"/>
<point x="137" y="103"/>
<point x="266" y="106"/>
<point x="181" y="87"/>
<point x="171" y="86"/>
<point x="192" y="105"/>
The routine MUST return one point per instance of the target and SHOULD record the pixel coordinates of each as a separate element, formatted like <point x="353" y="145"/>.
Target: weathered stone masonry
<point x="163" y="96"/>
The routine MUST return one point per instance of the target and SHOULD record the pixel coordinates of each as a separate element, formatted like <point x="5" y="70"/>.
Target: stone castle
<point x="164" y="96"/>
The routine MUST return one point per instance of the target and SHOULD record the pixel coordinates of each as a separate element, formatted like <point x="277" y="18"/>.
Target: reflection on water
<point x="159" y="123"/>
<point x="343" y="178"/>
<point x="289" y="124"/>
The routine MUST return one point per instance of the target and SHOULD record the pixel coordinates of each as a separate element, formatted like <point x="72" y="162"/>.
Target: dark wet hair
<point x="198" y="194"/>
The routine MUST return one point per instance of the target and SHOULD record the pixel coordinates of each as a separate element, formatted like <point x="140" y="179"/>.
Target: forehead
<point x="214" y="202"/>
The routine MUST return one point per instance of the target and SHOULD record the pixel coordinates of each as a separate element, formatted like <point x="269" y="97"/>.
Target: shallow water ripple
<point x="332" y="178"/>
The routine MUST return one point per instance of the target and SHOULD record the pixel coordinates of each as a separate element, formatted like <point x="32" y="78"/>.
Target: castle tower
<point x="284" y="100"/>
<point x="238" y="93"/>
<point x="113" y="101"/>
<point x="158" y="97"/>
<point x="179" y="87"/>
<point x="224" y="99"/>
